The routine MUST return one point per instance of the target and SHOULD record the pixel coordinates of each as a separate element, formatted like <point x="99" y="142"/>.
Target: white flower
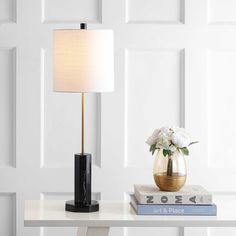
<point x="163" y="142"/>
<point x="166" y="130"/>
<point x="163" y="138"/>
<point x="180" y="139"/>
<point x="153" y="139"/>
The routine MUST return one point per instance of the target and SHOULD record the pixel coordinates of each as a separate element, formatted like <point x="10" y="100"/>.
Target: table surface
<point x="51" y="213"/>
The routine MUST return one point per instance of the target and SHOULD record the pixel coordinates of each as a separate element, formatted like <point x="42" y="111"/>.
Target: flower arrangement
<point x="170" y="140"/>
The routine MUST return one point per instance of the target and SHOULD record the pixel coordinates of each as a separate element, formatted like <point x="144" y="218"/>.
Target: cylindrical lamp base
<point x="82" y="186"/>
<point x="82" y="179"/>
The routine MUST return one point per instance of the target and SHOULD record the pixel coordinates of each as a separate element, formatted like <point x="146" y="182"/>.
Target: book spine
<point x="199" y="210"/>
<point x="174" y="199"/>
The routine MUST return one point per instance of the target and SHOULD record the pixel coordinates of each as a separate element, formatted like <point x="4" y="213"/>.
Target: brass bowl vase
<point x="169" y="171"/>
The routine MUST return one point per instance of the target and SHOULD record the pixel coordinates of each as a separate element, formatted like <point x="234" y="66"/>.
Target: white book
<point x="189" y="194"/>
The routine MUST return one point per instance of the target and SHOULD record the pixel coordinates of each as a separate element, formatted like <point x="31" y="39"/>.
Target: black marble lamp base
<point x="82" y="186"/>
<point x="73" y="207"/>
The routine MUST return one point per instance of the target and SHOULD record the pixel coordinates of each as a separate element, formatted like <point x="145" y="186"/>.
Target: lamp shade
<point x="83" y="61"/>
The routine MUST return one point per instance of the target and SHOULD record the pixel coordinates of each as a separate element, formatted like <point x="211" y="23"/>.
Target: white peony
<point x="153" y="138"/>
<point x="180" y="139"/>
<point x="163" y="142"/>
<point x="163" y="138"/>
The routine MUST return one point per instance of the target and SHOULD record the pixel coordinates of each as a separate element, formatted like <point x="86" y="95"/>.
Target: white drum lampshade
<point x="83" y="61"/>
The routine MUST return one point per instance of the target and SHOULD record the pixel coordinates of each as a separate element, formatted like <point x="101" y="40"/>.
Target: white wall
<point x="174" y="65"/>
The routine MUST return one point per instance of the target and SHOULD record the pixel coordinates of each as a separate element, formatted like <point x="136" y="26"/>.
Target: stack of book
<point x="191" y="200"/>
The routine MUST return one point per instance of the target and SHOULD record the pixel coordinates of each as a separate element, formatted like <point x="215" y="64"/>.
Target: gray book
<point x="189" y="194"/>
<point x="173" y="209"/>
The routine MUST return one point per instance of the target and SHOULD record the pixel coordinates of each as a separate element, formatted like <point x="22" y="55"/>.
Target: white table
<point x="51" y="213"/>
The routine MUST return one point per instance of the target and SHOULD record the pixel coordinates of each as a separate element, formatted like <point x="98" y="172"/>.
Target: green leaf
<point x="185" y="151"/>
<point x="152" y="148"/>
<point x="166" y="152"/>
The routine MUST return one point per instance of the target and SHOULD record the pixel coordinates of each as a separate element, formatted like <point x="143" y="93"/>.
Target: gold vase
<point x="169" y="171"/>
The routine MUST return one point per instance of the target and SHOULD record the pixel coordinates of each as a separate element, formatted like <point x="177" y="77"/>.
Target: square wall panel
<point x="153" y="98"/>
<point x="7" y="107"/>
<point x="222" y="11"/>
<point x="7" y="214"/>
<point x="7" y="11"/>
<point x="71" y="11"/>
<point x="221" y="108"/>
<point x="155" y="11"/>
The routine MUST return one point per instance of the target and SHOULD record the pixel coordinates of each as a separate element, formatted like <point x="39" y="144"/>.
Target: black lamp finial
<point x="83" y="26"/>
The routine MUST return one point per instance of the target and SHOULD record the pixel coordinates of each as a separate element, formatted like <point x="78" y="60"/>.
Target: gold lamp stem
<point x="82" y="144"/>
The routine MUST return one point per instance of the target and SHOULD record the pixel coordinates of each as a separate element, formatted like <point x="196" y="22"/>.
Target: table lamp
<point x="83" y="62"/>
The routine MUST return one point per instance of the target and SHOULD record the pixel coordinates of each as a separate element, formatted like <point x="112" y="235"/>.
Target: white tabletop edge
<point x="51" y="213"/>
<point x="41" y="223"/>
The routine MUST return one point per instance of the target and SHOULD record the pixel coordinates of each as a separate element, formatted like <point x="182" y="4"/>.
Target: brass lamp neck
<point x="82" y="133"/>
